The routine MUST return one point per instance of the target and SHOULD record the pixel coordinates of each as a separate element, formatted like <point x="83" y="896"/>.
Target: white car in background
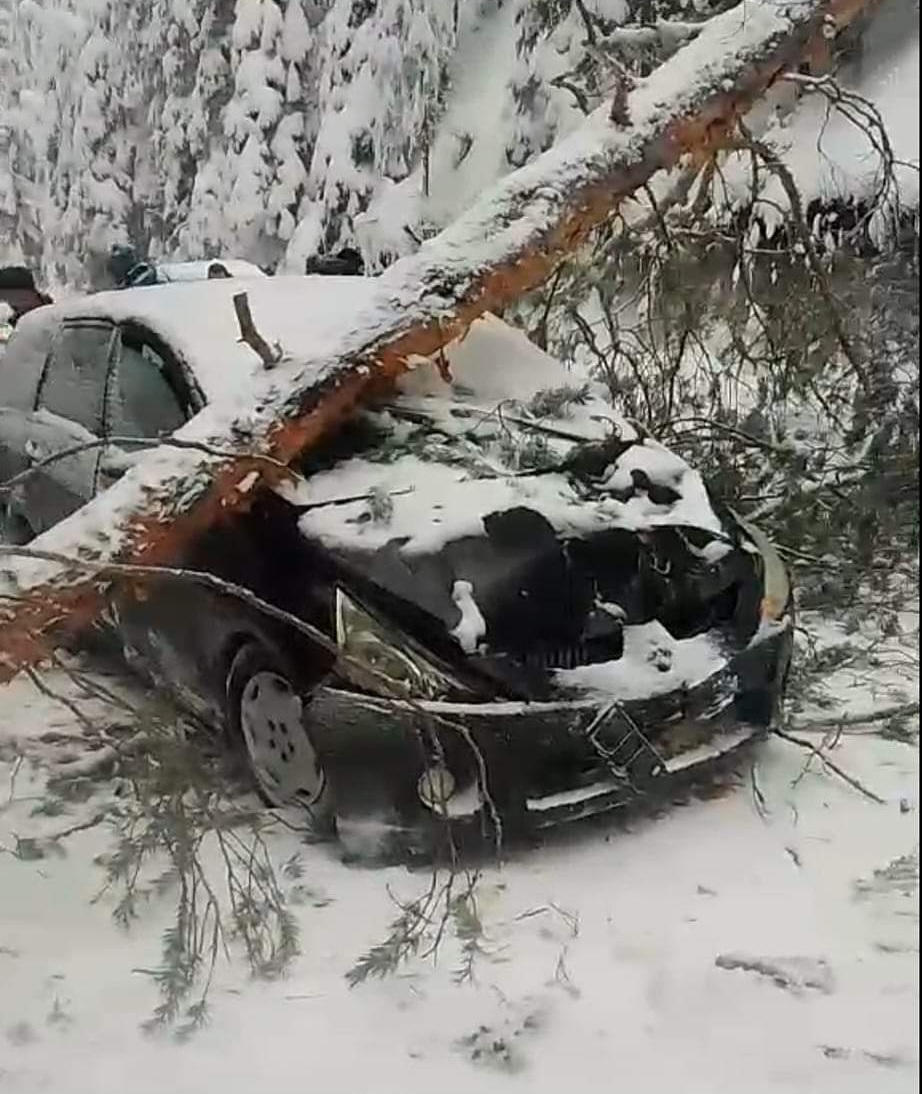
<point x="170" y="272"/>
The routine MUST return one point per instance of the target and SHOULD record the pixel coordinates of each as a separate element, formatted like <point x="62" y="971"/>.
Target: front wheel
<point x="266" y="714"/>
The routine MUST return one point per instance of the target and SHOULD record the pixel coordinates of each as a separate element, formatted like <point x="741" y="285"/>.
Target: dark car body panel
<point x="532" y="753"/>
<point x="186" y="633"/>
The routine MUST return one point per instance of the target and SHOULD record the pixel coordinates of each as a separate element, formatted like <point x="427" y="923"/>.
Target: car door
<point x="160" y="622"/>
<point x="54" y="444"/>
<point x="180" y="631"/>
<point x="146" y="398"/>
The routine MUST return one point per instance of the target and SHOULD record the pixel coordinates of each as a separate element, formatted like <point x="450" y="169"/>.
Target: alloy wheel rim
<point x="283" y="759"/>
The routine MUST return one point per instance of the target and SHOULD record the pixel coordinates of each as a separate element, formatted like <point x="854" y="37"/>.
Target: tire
<point x="15" y="530"/>
<point x="266" y="719"/>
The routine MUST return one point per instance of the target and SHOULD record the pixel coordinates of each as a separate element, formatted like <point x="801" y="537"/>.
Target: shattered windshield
<point x="507" y="438"/>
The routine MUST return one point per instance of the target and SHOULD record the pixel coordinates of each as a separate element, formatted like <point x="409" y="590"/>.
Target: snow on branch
<point x="507" y="244"/>
<point x="665" y="33"/>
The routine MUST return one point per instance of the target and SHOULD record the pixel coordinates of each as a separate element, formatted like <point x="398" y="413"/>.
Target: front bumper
<point x="541" y="763"/>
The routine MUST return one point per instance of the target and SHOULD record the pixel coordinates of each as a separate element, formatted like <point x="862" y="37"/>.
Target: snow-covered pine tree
<point x="381" y="91"/>
<point x="251" y="158"/>
<point x="177" y="51"/>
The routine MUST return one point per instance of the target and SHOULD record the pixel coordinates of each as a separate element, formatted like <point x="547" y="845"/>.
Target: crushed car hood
<point x="430" y="504"/>
<point x="535" y="611"/>
<point x="525" y="538"/>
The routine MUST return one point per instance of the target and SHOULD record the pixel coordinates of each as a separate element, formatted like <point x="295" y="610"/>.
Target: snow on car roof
<point x="196" y="318"/>
<point x="492" y="363"/>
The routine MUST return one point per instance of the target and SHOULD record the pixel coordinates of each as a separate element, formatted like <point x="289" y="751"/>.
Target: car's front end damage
<point x="527" y="645"/>
<point x="404" y="764"/>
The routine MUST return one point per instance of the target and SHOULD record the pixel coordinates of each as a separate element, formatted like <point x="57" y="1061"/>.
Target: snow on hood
<point x="435" y="503"/>
<point x="443" y="504"/>
<point x="654" y="663"/>
<point x="435" y="498"/>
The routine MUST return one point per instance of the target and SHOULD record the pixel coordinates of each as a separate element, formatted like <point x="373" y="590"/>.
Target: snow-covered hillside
<point x="276" y="129"/>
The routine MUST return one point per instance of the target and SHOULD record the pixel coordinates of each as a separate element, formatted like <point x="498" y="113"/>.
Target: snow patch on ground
<point x="604" y="950"/>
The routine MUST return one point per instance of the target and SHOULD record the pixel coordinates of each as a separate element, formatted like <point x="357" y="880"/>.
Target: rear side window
<point x="74" y="381"/>
<point x="142" y="401"/>
<point x="22" y="360"/>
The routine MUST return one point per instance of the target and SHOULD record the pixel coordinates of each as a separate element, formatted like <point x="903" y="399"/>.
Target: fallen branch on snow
<point x="793" y="973"/>
<point x="900" y="710"/>
<point x="824" y="758"/>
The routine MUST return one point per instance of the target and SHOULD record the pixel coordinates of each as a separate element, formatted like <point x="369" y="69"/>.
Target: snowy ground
<point x="612" y="956"/>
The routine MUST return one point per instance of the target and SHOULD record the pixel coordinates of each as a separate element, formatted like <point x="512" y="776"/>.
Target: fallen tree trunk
<point x="505" y="245"/>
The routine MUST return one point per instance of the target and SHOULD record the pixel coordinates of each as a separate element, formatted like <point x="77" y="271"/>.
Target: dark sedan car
<point x="537" y="610"/>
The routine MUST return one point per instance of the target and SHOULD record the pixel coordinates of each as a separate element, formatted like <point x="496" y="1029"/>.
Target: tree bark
<point x="507" y="244"/>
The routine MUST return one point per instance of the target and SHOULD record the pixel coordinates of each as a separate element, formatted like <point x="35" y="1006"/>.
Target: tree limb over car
<point x="507" y="244"/>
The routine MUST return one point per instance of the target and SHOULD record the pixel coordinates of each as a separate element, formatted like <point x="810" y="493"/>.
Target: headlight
<point x="776" y="587"/>
<point x="363" y="639"/>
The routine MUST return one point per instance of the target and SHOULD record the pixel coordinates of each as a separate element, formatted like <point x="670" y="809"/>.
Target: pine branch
<point x="843" y="721"/>
<point x="824" y="757"/>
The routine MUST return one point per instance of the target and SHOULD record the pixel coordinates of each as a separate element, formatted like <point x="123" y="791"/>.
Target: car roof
<point x="196" y="319"/>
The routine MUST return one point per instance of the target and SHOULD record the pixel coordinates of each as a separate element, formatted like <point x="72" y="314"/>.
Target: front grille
<point x="590" y="652"/>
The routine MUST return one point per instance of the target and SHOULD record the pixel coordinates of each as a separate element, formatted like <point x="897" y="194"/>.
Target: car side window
<point x="142" y="401"/>
<point x="73" y="382"/>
